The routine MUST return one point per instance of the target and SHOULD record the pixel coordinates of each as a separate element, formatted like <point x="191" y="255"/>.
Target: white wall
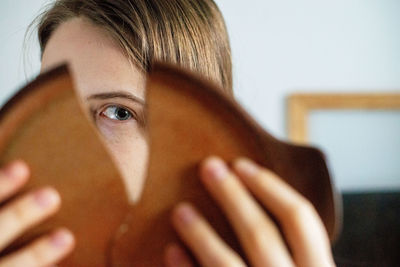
<point x="15" y="16"/>
<point x="279" y="47"/>
<point x="363" y="147"/>
<point x="285" y="46"/>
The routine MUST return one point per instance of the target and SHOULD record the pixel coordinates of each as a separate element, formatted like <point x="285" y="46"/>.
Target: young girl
<point x="110" y="45"/>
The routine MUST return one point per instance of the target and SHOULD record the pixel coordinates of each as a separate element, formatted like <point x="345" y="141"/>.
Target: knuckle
<point x="18" y="214"/>
<point x="4" y="175"/>
<point x="301" y="210"/>
<point x="263" y="242"/>
<point x="217" y="260"/>
<point x="264" y="172"/>
<point x="257" y="244"/>
<point x="256" y="236"/>
<point x="37" y="255"/>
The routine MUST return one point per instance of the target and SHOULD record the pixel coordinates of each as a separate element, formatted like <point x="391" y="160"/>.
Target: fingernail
<point x="246" y="167"/>
<point x="46" y="197"/>
<point x="216" y="168"/>
<point x="185" y="213"/>
<point x="61" y="238"/>
<point x="16" y="170"/>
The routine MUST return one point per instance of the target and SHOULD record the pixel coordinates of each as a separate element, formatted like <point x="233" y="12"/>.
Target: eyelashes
<point x="119" y="113"/>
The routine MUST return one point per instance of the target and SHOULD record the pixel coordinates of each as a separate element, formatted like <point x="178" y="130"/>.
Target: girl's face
<point x="110" y="87"/>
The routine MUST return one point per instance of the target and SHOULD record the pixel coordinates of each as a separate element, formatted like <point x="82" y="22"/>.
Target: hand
<point x="25" y="212"/>
<point x="236" y="192"/>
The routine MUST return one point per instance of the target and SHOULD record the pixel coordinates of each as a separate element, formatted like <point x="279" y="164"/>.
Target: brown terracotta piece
<point x="45" y="125"/>
<point x="188" y="119"/>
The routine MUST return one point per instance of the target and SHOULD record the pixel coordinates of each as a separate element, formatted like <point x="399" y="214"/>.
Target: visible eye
<point x="117" y="113"/>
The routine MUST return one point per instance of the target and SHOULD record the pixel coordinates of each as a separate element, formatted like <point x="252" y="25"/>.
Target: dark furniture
<point x="371" y="230"/>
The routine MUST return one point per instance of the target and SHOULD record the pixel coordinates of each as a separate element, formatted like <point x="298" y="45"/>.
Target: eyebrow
<point x="120" y="94"/>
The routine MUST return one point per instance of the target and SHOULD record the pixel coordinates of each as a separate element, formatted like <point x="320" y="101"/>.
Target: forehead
<point x="96" y="60"/>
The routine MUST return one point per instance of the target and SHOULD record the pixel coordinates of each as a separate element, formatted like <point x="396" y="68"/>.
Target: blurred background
<point x="285" y="47"/>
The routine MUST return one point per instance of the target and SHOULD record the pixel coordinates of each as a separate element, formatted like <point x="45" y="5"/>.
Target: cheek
<point x="131" y="156"/>
<point x="119" y="135"/>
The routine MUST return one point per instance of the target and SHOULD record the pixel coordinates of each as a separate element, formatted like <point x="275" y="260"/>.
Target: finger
<point x="45" y="251"/>
<point x="175" y="256"/>
<point x="301" y="224"/>
<point x="12" y="177"/>
<point x="17" y="216"/>
<point x="257" y="233"/>
<point x="209" y="249"/>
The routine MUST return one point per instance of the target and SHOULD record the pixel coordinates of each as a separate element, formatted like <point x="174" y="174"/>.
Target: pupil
<point x="122" y="114"/>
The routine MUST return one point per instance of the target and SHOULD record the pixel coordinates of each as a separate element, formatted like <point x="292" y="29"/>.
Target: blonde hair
<point x="189" y="33"/>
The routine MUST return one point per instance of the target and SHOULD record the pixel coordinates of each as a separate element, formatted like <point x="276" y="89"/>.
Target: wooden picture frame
<point x="300" y="105"/>
<point x="375" y="212"/>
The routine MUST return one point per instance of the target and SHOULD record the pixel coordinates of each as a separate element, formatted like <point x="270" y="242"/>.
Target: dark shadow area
<point x="371" y="231"/>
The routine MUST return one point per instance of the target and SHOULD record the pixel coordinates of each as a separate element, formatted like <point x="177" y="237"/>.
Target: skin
<point x="100" y="69"/>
